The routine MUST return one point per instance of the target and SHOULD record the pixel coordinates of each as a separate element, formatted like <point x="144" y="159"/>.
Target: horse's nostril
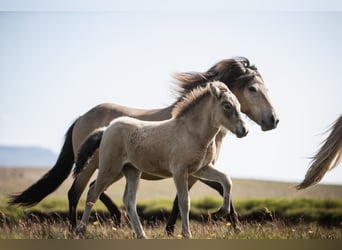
<point x="270" y="122"/>
<point x="274" y="121"/>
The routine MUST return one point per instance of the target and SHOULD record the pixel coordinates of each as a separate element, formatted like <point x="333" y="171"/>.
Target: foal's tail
<point x="87" y="149"/>
<point x="51" y="180"/>
<point x="328" y="157"/>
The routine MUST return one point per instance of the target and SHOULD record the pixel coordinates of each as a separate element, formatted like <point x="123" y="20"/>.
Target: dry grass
<point x="14" y="180"/>
<point x="270" y="230"/>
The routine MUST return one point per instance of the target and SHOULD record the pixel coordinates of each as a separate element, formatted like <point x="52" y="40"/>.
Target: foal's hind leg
<point x="132" y="182"/>
<point x="113" y="209"/>
<point x="104" y="179"/>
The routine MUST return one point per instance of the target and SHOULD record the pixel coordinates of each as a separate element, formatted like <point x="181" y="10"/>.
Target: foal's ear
<point x="215" y="91"/>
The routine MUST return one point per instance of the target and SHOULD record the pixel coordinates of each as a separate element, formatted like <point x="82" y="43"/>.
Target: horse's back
<point x="99" y="116"/>
<point x="102" y="114"/>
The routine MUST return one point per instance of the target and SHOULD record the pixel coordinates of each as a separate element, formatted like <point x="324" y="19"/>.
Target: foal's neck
<point x="199" y="123"/>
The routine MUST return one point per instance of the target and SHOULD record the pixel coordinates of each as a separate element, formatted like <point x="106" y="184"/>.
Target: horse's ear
<point x="215" y="91"/>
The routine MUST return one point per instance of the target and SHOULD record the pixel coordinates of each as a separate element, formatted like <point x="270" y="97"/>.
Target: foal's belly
<point x="159" y="166"/>
<point x="153" y="169"/>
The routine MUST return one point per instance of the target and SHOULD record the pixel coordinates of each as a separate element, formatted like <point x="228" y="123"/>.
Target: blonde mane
<point x="195" y="96"/>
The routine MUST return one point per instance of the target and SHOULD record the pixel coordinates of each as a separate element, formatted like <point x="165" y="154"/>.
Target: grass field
<point x="267" y="210"/>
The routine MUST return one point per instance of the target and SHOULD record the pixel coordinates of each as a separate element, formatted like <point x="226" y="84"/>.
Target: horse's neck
<point x="153" y="114"/>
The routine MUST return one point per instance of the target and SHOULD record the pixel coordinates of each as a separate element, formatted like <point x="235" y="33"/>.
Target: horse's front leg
<point x="209" y="173"/>
<point x="170" y="226"/>
<point x="181" y="181"/>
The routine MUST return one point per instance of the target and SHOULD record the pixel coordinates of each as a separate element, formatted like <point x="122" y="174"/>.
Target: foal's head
<point x="226" y="111"/>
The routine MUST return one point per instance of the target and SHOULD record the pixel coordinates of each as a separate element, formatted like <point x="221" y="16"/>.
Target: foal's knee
<point x="226" y="182"/>
<point x="227" y="187"/>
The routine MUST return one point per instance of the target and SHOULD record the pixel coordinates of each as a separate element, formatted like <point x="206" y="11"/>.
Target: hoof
<point x="237" y="228"/>
<point x="170" y="230"/>
<point x="80" y="229"/>
<point x="184" y="235"/>
<point x="218" y="214"/>
<point x="141" y="236"/>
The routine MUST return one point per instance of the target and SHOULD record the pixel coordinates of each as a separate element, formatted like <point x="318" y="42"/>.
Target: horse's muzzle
<point x="269" y="123"/>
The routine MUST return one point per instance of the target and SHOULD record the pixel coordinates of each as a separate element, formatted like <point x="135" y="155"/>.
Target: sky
<point x="56" y="65"/>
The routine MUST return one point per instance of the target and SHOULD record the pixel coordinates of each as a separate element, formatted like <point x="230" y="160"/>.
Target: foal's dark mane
<point x="234" y="72"/>
<point x="193" y="97"/>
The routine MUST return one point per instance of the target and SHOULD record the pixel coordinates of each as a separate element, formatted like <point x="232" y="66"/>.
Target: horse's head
<point x="227" y="111"/>
<point x="244" y="81"/>
<point x="247" y="84"/>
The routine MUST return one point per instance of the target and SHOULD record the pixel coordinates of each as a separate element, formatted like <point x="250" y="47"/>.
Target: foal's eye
<point x="252" y="89"/>
<point x="227" y="106"/>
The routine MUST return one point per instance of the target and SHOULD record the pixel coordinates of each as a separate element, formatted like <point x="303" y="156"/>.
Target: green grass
<point x="300" y="218"/>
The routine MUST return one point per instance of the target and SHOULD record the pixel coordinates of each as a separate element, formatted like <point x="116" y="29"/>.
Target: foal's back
<point x="142" y="143"/>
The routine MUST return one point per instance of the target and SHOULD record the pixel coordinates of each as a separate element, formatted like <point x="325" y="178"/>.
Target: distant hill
<point x="13" y="156"/>
<point x="13" y="180"/>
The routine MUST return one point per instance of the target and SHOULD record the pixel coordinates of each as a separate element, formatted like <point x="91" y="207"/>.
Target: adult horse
<point x="179" y="147"/>
<point x="327" y="157"/>
<point x="242" y="78"/>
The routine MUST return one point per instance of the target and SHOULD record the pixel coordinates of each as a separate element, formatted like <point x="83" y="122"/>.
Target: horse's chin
<point x="265" y="128"/>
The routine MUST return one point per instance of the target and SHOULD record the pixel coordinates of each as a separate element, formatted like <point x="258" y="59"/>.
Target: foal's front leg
<point x="132" y="176"/>
<point x="170" y="226"/>
<point x="234" y="217"/>
<point x="209" y="173"/>
<point x="181" y="182"/>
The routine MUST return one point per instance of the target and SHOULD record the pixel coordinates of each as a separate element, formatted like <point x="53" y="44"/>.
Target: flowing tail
<point x="51" y="180"/>
<point x="328" y="157"/>
<point x="87" y="149"/>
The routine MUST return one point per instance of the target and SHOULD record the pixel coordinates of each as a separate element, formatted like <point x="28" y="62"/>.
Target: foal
<point x="179" y="147"/>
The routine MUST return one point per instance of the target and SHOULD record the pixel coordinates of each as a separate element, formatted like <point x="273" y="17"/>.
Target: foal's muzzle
<point x="241" y="131"/>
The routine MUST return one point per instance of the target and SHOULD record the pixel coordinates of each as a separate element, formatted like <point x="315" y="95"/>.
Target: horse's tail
<point x="52" y="179"/>
<point x="328" y="157"/>
<point x="87" y="149"/>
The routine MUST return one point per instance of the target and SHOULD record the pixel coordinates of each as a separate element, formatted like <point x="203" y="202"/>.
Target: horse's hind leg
<point x="170" y="226"/>
<point x="133" y="177"/>
<point x="78" y="187"/>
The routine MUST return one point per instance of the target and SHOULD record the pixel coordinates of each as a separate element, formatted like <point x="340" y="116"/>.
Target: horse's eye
<point x="252" y="89"/>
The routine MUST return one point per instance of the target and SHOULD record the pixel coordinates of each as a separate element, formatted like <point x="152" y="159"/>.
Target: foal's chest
<point x="201" y="158"/>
